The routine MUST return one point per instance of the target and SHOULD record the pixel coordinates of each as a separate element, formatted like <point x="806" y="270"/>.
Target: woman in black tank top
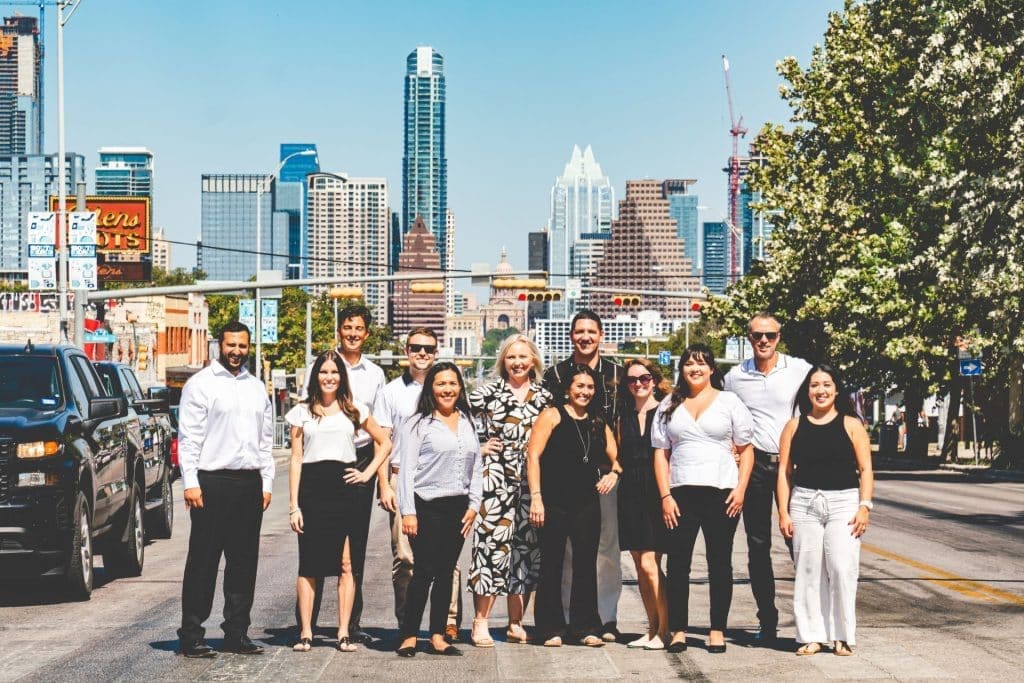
<point x="824" y="497"/>
<point x="566" y="444"/>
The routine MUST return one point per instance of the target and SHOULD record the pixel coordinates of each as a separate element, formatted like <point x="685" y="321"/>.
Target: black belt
<point x="772" y="458"/>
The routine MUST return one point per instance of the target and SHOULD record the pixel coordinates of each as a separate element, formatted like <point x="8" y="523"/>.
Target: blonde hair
<point x="536" y="372"/>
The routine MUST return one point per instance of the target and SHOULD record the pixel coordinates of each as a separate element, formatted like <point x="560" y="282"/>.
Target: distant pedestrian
<point x="824" y="506"/>
<point x="695" y="434"/>
<point x="327" y="508"/>
<point x="439" y="490"/>
<point x="225" y="437"/>
<point x="767" y="385"/>
<point x="566" y="446"/>
<point x="506" y="555"/>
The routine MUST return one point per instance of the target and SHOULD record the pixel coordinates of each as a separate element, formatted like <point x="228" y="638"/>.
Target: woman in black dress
<point x="565" y="446"/>
<point x="641" y="529"/>
<point x="323" y="485"/>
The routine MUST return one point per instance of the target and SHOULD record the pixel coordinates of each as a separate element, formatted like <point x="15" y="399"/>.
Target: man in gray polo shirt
<point x="767" y="385"/>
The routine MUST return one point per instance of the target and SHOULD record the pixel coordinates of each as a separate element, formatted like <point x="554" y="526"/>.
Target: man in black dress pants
<point x="225" y="437"/>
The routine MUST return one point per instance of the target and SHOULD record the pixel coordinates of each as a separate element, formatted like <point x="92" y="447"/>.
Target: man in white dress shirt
<point x="225" y="437"/>
<point x="767" y="385"/>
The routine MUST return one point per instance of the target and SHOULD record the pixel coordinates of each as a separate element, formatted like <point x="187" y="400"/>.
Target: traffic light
<point x="143" y="358"/>
<point x="626" y="300"/>
<point x="427" y="286"/>
<point x="696" y="307"/>
<point x="345" y="292"/>
<point x="546" y="295"/>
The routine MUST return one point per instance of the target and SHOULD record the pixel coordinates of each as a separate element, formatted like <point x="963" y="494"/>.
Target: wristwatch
<point x="867" y="504"/>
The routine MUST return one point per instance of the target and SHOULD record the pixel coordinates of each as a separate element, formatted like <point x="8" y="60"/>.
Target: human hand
<point x="536" y="511"/>
<point x="467" y="522"/>
<point x="785" y="525"/>
<point x="354" y="475"/>
<point x="606" y="483"/>
<point x="492" y="446"/>
<point x="295" y="520"/>
<point x="193" y="498"/>
<point x="410" y="525"/>
<point x="860" y="522"/>
<point x="670" y="511"/>
<point x="734" y="503"/>
<point x="387" y="498"/>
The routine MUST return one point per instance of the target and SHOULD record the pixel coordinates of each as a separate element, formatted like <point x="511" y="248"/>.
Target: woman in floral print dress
<point x="506" y="559"/>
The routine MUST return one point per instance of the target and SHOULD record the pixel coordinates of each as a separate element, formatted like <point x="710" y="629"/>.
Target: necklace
<point x="584" y="443"/>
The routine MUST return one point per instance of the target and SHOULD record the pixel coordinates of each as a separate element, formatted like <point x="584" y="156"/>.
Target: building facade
<point x="161" y="250"/>
<point x="125" y="172"/>
<point x="348" y="233"/>
<point x="504" y="309"/>
<point x="552" y="336"/>
<point x="26" y="184"/>
<point x="291" y="199"/>
<point x="538" y="256"/>
<point x="424" y="163"/>
<point x="228" y="225"/>
<point x="582" y="202"/>
<point x="21" y="94"/>
<point x="414" y="309"/>
<point x="682" y="206"/>
<point x="645" y="253"/>
<point x="715" y="275"/>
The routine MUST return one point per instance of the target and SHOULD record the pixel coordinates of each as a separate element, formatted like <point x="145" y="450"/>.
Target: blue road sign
<point x="664" y="357"/>
<point x="970" y="367"/>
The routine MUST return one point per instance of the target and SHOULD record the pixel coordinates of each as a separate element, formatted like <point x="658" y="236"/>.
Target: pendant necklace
<point x="584" y="443"/>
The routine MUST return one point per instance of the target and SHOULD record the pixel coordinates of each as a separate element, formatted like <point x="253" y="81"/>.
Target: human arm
<point x="606" y="483"/>
<point x="267" y="468"/>
<point x="192" y="418"/>
<point x="784" y="483"/>
<point x="410" y="442"/>
<point x="381" y="450"/>
<point x="742" y="430"/>
<point x="385" y="493"/>
<point x="294" y="478"/>
<point x="476" y="488"/>
<point x="734" y="502"/>
<point x="539" y="435"/>
<point x="862" y="452"/>
<point x="662" y="453"/>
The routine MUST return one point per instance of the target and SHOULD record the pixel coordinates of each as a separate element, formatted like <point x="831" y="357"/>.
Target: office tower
<point x="537" y="260"/>
<point x="394" y="242"/>
<point x="582" y="201"/>
<point x="348" y="233"/>
<point x="26" y="184"/>
<point x="125" y="172"/>
<point x="21" y="92"/>
<point x="424" y="164"/>
<point x="291" y="199"/>
<point x="449" y="262"/>
<point x="161" y="250"/>
<point x="413" y="309"/>
<point x="644" y="253"/>
<point x="682" y="206"/>
<point x="756" y="225"/>
<point x="228" y="225"/>
<point x="716" y="257"/>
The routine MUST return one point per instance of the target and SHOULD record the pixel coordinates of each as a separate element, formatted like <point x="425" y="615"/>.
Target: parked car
<point x="72" y="474"/>
<point x="155" y="425"/>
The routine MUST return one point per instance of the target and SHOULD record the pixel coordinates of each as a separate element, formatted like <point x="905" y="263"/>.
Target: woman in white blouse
<point x="324" y="500"/>
<point x="695" y="434"/>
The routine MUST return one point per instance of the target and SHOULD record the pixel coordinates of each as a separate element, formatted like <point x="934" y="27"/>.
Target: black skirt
<point x="332" y="512"/>
<point x="641" y="526"/>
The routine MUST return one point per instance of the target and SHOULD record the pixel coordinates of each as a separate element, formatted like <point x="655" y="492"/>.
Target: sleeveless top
<point x="823" y="456"/>
<point x="568" y="465"/>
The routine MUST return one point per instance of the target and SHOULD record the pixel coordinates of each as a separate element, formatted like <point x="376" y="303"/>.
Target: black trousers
<point x="435" y="551"/>
<point x="581" y="526"/>
<point x="702" y="508"/>
<point x="757" y="523"/>
<point x="358" y="539"/>
<point x="229" y="524"/>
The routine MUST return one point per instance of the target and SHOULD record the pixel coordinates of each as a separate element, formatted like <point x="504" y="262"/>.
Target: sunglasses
<point x="641" y="379"/>
<point x="422" y="348"/>
<point x="770" y="336"/>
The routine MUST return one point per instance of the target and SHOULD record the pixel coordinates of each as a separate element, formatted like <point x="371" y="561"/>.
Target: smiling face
<point x="697" y="373"/>
<point x="822" y="391"/>
<point x="764" y="336"/>
<point x="234" y="351"/>
<point x="519" y="363"/>
<point x="586" y="338"/>
<point x="352" y="332"/>
<point x="640" y="382"/>
<point x="446" y="390"/>
<point x="581" y="391"/>
<point x="421" y="349"/>
<point x="329" y="377"/>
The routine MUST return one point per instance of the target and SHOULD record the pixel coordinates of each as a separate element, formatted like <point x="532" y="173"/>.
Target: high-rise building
<point x="756" y="225"/>
<point x="161" y="250"/>
<point x="291" y="199"/>
<point x="26" y="184"/>
<point x="424" y="164"/>
<point x="582" y="201"/>
<point x="716" y="257"/>
<point x="412" y="309"/>
<point x="644" y="253"/>
<point x="21" y="95"/>
<point x="682" y="206"/>
<point x="348" y="232"/>
<point x="537" y="260"/>
<point x="228" y="225"/>
<point x="449" y="262"/>
<point x="125" y="172"/>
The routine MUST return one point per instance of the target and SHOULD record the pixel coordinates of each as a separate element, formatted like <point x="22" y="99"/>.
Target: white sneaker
<point x="655" y="643"/>
<point x="640" y="642"/>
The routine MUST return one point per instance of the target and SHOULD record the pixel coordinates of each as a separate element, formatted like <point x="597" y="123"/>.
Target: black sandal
<point x="304" y="645"/>
<point x="346" y="645"/>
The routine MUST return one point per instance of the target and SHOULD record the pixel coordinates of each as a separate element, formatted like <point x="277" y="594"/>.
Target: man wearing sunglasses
<point x="396" y="402"/>
<point x="767" y="385"/>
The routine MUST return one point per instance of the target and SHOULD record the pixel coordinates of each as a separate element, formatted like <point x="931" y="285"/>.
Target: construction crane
<point x="736" y="131"/>
<point x="41" y="4"/>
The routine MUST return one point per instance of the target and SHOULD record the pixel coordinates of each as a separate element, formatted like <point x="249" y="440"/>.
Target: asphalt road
<point x="941" y="596"/>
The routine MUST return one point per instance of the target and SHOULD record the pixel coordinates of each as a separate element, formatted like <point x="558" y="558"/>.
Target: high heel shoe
<point x="480" y="635"/>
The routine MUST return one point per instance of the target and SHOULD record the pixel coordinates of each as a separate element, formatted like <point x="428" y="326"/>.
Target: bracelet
<point x="666" y="496"/>
<point x="615" y="472"/>
<point x="866" y="504"/>
<point x="292" y="512"/>
<point x="536" y="494"/>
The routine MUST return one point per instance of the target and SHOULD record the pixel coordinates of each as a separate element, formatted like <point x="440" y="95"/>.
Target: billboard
<point x="123" y="233"/>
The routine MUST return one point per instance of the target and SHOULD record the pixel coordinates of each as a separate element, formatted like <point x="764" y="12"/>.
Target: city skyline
<point x="510" y="114"/>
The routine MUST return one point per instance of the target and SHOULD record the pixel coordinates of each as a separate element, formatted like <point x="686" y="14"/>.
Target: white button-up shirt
<point x="365" y="379"/>
<point x="769" y="398"/>
<point x="437" y="462"/>
<point x="225" y="422"/>
<point x="395" y="403"/>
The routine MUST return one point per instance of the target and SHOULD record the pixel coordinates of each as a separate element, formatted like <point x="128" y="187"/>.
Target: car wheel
<point x="79" y="575"/>
<point x="126" y="557"/>
<point x="163" y="516"/>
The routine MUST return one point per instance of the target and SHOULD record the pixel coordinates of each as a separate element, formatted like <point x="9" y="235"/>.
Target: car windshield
<point x="27" y="382"/>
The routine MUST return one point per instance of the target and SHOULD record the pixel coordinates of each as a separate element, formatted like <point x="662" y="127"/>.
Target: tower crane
<point x="736" y="131"/>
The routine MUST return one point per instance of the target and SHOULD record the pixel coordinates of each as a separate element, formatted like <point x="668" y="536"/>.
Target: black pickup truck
<point x="72" y="477"/>
<point x="155" y="425"/>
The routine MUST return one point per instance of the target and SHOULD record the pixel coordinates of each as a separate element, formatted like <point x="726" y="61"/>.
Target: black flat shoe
<point x="196" y="649"/>
<point x="449" y="651"/>
<point x="360" y="637"/>
<point x="766" y="637"/>
<point x="406" y="651"/>
<point x="242" y="646"/>
<point x="716" y="649"/>
<point x="676" y="647"/>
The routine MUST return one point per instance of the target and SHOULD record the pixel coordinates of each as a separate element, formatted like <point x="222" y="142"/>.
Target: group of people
<point x="552" y="473"/>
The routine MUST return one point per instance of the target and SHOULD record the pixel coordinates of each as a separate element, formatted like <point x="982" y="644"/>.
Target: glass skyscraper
<point x="125" y="172"/>
<point x="682" y="206"/>
<point x="582" y="201"/>
<point x="716" y="257"/>
<point x="424" y="164"/>
<point x="291" y="199"/>
<point x="228" y="224"/>
<point x="21" y="97"/>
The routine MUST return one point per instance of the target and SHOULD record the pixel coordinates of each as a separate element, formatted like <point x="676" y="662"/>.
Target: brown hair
<point x="315" y="396"/>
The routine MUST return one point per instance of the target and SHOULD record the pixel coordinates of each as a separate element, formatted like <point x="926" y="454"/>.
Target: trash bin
<point x="888" y="437"/>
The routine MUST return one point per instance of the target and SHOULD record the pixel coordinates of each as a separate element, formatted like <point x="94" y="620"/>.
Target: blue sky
<point x="215" y="86"/>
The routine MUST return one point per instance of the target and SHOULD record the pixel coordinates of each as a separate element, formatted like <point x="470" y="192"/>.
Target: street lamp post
<point x="259" y="248"/>
<point x="132" y="319"/>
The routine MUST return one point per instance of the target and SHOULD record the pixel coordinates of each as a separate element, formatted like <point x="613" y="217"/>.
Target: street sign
<point x="247" y="314"/>
<point x="970" y="367"/>
<point x="573" y="287"/>
<point x="664" y="357"/>
<point x="99" y="337"/>
<point x="268" y="320"/>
